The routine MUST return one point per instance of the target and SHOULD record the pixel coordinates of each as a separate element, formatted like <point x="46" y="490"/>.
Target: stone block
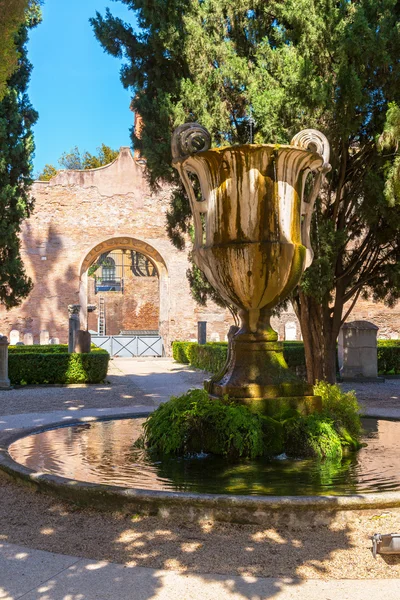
<point x="44" y="337"/>
<point x="28" y="339"/>
<point x="54" y="340"/>
<point x="14" y="337"/>
<point x="82" y="341"/>
<point x="4" y="380"/>
<point x="357" y="350"/>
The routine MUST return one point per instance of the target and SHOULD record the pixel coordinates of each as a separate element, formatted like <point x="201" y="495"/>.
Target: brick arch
<point x="129" y="243"/>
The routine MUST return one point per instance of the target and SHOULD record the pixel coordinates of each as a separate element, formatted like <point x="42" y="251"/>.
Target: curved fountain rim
<point x="73" y="488"/>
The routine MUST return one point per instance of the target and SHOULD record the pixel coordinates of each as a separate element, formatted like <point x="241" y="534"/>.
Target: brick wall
<point x="78" y="211"/>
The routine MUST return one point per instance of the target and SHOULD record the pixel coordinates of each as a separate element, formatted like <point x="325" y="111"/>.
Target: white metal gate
<point x="130" y="345"/>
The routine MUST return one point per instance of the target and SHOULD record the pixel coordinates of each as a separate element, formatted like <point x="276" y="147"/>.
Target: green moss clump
<point x="194" y="422"/>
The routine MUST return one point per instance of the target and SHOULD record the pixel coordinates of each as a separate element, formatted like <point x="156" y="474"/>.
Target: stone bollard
<point x="82" y="341"/>
<point x="202" y="332"/>
<point x="73" y="312"/>
<point x="357" y="350"/>
<point x="44" y="337"/>
<point x="28" y="339"/>
<point x="4" y="381"/>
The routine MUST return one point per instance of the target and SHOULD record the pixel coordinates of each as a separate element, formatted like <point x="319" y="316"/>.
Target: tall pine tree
<point x="16" y="151"/>
<point x="270" y="69"/>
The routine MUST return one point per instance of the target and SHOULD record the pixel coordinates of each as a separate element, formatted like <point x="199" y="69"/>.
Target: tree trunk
<point x="319" y="336"/>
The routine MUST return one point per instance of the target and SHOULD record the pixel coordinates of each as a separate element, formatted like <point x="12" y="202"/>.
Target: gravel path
<point x="376" y="395"/>
<point x="39" y="521"/>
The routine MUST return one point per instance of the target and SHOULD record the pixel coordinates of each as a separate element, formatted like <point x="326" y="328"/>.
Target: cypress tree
<point x="17" y="118"/>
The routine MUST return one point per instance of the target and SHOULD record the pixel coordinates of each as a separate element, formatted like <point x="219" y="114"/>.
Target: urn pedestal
<point x="252" y="243"/>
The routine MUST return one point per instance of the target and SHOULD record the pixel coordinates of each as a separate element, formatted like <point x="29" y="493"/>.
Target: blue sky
<point x="75" y="86"/>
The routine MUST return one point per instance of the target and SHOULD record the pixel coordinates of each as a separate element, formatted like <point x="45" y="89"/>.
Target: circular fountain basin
<point x="97" y="463"/>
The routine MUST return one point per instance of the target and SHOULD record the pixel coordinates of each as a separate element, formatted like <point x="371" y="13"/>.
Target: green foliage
<point x="75" y="160"/>
<point x="180" y="351"/>
<point x="389" y="357"/>
<point x="283" y="66"/>
<point x="17" y="118"/>
<point x="48" y="172"/>
<point x="14" y="14"/>
<point x="212" y="356"/>
<point x="341" y="407"/>
<point x="57" y="366"/>
<point x="312" y="436"/>
<point x="193" y="423"/>
<point x="39" y="349"/>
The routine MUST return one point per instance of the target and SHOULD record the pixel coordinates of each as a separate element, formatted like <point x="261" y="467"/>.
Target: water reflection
<point x="103" y="452"/>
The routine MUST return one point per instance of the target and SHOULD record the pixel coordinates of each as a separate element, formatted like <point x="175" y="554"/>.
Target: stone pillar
<point x="82" y="341"/>
<point x="202" y="332"/>
<point x="44" y="337"/>
<point x="357" y="350"/>
<point x="4" y="381"/>
<point x="54" y="340"/>
<point x="73" y="312"/>
<point x="28" y="339"/>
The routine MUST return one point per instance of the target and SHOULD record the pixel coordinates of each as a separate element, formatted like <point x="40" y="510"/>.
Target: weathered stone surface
<point x="4" y="380"/>
<point x="28" y="339"/>
<point x="357" y="350"/>
<point x="14" y="337"/>
<point x="252" y="242"/>
<point x="44" y="337"/>
<point x="73" y="325"/>
<point x="82" y="341"/>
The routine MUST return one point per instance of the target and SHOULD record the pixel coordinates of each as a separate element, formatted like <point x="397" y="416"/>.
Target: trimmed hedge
<point x="38" y="349"/>
<point x="212" y="356"/>
<point x="388" y="357"/>
<point x="25" y="368"/>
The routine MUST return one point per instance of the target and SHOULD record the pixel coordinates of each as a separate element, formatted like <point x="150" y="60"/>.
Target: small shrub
<point x="58" y="367"/>
<point x="341" y="407"/>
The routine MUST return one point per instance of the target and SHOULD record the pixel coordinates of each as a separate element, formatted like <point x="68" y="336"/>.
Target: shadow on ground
<point x="211" y="550"/>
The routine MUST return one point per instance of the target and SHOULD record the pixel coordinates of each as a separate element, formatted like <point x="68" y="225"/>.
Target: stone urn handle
<point x="314" y="141"/>
<point x="188" y="139"/>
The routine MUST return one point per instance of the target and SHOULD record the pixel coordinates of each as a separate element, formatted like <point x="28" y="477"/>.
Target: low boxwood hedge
<point x="212" y="356"/>
<point x="38" y="349"/>
<point x="388" y="357"/>
<point x="26" y="368"/>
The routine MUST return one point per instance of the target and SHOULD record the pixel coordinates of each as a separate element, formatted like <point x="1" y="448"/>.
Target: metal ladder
<point x="102" y="316"/>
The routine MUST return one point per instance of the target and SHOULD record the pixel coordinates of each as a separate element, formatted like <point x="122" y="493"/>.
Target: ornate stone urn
<point x="252" y="223"/>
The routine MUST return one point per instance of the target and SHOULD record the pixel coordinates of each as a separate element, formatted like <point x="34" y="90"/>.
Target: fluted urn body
<point x="252" y="242"/>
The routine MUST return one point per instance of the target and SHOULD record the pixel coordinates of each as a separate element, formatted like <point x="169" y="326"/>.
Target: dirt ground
<point x="336" y="551"/>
